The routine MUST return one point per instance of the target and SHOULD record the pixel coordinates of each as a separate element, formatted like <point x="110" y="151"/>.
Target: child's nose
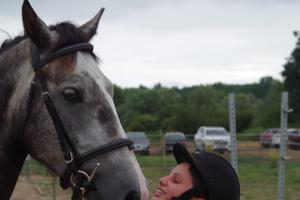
<point x="163" y="181"/>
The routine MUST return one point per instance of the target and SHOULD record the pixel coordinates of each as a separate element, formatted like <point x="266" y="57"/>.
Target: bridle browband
<point x="79" y="179"/>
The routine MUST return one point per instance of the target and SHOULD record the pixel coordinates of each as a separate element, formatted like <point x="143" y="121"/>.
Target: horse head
<point x="90" y="153"/>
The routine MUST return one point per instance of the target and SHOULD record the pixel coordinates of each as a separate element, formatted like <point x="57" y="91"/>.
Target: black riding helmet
<point x="218" y="179"/>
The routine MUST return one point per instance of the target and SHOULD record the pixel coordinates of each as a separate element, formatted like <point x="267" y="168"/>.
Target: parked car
<point x="266" y="138"/>
<point x="172" y="138"/>
<point x="276" y="134"/>
<point x="293" y="131"/>
<point x="216" y="137"/>
<point x="141" y="142"/>
<point x="294" y="139"/>
<point x="271" y="137"/>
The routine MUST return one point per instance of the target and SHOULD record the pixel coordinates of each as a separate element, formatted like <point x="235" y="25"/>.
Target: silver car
<point x="216" y="138"/>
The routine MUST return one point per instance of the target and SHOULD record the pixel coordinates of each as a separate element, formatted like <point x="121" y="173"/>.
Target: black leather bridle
<point x="74" y="175"/>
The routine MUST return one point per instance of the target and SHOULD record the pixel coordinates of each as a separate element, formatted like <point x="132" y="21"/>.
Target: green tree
<point x="144" y="122"/>
<point x="245" y="110"/>
<point x="259" y="90"/>
<point x="291" y="75"/>
<point x="118" y="96"/>
<point x="201" y="106"/>
<point x="267" y="113"/>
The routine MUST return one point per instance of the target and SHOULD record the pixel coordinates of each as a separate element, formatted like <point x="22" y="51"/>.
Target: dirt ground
<point x="26" y="190"/>
<point x="38" y="188"/>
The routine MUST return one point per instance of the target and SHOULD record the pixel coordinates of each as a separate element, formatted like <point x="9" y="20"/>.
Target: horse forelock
<point x="60" y="67"/>
<point x="66" y="32"/>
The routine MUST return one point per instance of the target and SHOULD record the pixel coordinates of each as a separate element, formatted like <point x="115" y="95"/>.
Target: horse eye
<point x="72" y="95"/>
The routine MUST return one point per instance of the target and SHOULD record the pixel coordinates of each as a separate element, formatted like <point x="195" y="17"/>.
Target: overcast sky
<point x="178" y="42"/>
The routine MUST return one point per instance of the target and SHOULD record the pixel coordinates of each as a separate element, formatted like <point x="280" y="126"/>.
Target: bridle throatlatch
<point x="80" y="180"/>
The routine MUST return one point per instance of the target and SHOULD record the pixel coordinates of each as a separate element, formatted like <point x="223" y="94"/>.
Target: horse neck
<point x="14" y="85"/>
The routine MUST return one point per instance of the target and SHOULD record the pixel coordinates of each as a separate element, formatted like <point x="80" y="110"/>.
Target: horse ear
<point x="90" y="27"/>
<point x="35" y="28"/>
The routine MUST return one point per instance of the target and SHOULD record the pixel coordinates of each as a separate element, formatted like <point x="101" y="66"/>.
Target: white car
<point x="276" y="137"/>
<point x="216" y="137"/>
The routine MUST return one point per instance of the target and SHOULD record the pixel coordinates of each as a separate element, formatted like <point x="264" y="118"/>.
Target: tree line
<point x="186" y="109"/>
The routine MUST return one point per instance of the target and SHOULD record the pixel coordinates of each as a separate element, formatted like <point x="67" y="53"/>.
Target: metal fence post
<point x="162" y="143"/>
<point x="283" y="143"/>
<point x="232" y="125"/>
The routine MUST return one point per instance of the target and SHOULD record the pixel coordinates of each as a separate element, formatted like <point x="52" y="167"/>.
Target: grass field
<point x="258" y="177"/>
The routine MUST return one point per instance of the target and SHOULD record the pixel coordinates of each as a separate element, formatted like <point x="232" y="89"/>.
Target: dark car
<point x="141" y="142"/>
<point x="294" y="138"/>
<point x="266" y="138"/>
<point x="172" y="138"/>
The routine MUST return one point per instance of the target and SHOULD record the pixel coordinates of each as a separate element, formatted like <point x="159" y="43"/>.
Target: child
<point x="198" y="176"/>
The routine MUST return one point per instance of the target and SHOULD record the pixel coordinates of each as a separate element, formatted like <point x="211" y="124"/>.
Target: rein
<point x="79" y="179"/>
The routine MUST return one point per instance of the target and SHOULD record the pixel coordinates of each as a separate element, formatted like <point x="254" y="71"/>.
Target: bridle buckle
<point x="71" y="158"/>
<point x="89" y="179"/>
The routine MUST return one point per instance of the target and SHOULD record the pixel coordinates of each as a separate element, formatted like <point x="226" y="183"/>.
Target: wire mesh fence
<point x="258" y="168"/>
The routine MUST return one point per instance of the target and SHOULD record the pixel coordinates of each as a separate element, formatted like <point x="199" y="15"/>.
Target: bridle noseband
<point x="79" y="179"/>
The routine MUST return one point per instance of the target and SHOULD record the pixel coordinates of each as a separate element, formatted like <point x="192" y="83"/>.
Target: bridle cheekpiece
<point x="80" y="180"/>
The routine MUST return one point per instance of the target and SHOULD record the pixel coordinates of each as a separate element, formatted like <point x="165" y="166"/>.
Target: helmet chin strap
<point x="198" y="191"/>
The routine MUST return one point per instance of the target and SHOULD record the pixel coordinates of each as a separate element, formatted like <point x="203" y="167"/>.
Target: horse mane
<point x="9" y="43"/>
<point x="68" y="34"/>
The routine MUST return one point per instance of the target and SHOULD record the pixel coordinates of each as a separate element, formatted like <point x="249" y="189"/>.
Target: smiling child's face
<point x="173" y="185"/>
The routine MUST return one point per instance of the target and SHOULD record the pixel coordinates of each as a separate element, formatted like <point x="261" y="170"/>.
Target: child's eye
<point x="176" y="181"/>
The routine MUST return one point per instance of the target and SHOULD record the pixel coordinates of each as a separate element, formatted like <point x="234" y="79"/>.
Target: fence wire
<point x="258" y="168"/>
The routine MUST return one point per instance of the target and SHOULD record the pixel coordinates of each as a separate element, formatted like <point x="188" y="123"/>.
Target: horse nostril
<point x="133" y="195"/>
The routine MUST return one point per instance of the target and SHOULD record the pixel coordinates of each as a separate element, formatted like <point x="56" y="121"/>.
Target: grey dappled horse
<point x="82" y="96"/>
